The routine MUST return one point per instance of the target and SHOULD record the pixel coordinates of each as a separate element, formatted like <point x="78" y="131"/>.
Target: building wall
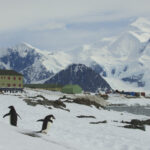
<point x="71" y="89"/>
<point x="11" y="81"/>
<point x="67" y="90"/>
<point x="77" y="89"/>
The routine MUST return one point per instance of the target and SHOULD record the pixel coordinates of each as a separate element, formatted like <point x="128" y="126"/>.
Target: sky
<point x="66" y="24"/>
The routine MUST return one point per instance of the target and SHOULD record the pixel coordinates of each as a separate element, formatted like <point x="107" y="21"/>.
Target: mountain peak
<point x="142" y="24"/>
<point x="140" y="28"/>
<point x="82" y="75"/>
<point x="77" y="67"/>
<point x="23" y="46"/>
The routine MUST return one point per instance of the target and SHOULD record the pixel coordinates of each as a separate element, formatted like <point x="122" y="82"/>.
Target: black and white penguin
<point x="47" y="121"/>
<point x="13" y="116"/>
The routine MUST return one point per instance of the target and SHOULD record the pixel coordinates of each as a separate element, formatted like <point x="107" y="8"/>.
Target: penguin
<point x="13" y="116"/>
<point x="46" y="123"/>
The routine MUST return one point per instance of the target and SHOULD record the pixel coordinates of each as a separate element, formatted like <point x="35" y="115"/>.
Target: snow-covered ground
<point x="121" y="99"/>
<point x="68" y="132"/>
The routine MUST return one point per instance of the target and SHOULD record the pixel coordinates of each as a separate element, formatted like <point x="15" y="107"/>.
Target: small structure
<point x="71" y="89"/>
<point x="11" y="80"/>
<point x="143" y="94"/>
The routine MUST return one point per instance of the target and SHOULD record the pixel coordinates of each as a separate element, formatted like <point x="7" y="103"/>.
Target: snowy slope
<point x="68" y="132"/>
<point x="51" y="61"/>
<point x="142" y="29"/>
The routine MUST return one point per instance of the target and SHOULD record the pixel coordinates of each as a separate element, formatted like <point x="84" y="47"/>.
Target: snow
<point x="68" y="132"/>
<point x="53" y="62"/>
<point x="117" y="84"/>
<point x="56" y="62"/>
<point x="23" y="49"/>
<point x="125" y="45"/>
<point x="143" y="37"/>
<point x="142" y="29"/>
<point x="143" y="24"/>
<point x="121" y="99"/>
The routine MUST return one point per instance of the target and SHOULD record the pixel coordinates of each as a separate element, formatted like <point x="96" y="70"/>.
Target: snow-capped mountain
<point x="34" y="64"/>
<point x="82" y="75"/>
<point x="124" y="57"/>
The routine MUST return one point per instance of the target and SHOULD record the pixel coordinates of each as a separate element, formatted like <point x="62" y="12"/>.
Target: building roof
<point x="9" y="72"/>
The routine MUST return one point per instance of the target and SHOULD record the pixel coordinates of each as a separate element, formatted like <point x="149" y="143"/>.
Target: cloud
<point x="48" y="26"/>
<point x="16" y="14"/>
<point x="65" y="23"/>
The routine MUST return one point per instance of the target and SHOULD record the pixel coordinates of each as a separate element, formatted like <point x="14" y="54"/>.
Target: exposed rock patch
<point x="41" y="100"/>
<point x="88" y="100"/>
<point x="136" y="124"/>
<point x="82" y="116"/>
<point x="98" y="122"/>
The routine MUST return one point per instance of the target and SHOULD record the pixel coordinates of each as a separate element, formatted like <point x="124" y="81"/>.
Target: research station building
<point x="11" y="80"/>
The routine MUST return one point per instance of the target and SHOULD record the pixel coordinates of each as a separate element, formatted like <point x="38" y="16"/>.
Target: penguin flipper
<point x="6" y="115"/>
<point x="40" y="120"/>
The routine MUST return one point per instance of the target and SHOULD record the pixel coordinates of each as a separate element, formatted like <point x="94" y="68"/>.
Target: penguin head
<point x="50" y="117"/>
<point x="11" y="107"/>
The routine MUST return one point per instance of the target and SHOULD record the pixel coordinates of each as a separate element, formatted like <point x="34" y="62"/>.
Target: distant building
<point x="71" y="89"/>
<point x="10" y="80"/>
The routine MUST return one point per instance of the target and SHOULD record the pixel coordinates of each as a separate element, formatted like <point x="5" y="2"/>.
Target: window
<point x="14" y="78"/>
<point x="8" y="85"/>
<point x="19" y="78"/>
<point x="14" y="85"/>
<point x="19" y="85"/>
<point x="8" y="78"/>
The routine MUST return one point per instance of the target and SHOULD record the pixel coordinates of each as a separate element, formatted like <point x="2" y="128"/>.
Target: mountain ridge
<point x="125" y="57"/>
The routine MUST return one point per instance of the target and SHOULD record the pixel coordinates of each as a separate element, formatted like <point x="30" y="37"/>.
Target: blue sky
<point x="65" y="24"/>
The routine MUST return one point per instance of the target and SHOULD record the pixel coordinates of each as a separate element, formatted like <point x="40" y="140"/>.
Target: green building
<point x="10" y="79"/>
<point x="71" y="89"/>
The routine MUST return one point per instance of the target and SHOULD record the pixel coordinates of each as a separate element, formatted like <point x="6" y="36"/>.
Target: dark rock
<point x="98" y="69"/>
<point x="135" y="79"/>
<point x="132" y="126"/>
<point x="136" y="124"/>
<point x="82" y="116"/>
<point x="98" y="122"/>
